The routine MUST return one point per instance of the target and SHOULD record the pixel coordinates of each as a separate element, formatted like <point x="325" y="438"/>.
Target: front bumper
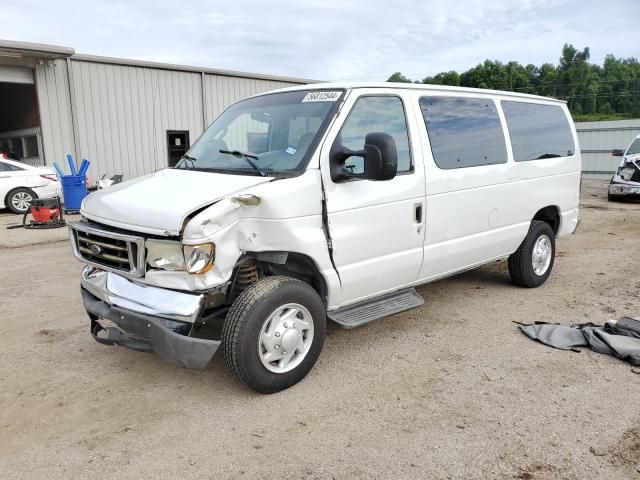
<point x="624" y="188"/>
<point x="145" y="318"/>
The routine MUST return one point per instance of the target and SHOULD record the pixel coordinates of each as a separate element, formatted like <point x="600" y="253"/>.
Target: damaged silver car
<point x="625" y="183"/>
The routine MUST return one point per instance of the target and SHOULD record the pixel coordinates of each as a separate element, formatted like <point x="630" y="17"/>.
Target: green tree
<point x="445" y="78"/>
<point x="398" y="78"/>
<point x="611" y="90"/>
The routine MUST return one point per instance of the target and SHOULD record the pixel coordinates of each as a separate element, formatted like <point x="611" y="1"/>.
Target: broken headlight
<point x="164" y="254"/>
<point x="626" y="173"/>
<point x="199" y="258"/>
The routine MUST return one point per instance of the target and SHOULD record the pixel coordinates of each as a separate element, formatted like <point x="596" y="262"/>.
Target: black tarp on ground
<point x="620" y="339"/>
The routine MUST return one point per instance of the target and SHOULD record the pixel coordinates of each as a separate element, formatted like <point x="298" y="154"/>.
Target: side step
<point x="379" y="307"/>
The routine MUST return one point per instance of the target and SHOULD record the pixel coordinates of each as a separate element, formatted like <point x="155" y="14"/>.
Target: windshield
<point x="264" y="135"/>
<point x="634" y="148"/>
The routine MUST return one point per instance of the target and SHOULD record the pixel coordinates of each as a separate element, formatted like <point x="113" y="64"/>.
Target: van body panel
<point x="160" y="202"/>
<point x="376" y="239"/>
<point x="288" y="218"/>
<point x="480" y="213"/>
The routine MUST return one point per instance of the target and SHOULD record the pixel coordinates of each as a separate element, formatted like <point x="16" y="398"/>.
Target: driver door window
<point x="376" y="114"/>
<point x="375" y="226"/>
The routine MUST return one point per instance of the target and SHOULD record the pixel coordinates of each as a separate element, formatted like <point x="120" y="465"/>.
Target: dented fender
<point x="259" y="219"/>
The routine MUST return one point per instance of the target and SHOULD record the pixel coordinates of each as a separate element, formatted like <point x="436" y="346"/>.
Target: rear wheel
<point x="273" y="333"/>
<point x="531" y="264"/>
<point x="19" y="200"/>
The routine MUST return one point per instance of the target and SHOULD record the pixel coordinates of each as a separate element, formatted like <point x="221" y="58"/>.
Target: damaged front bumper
<point x="623" y="188"/>
<point x="145" y="318"/>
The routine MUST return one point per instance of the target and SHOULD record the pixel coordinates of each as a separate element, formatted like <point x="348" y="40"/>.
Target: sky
<point x="332" y="40"/>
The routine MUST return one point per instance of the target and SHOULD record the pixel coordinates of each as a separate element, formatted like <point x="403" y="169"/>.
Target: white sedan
<point x="21" y="183"/>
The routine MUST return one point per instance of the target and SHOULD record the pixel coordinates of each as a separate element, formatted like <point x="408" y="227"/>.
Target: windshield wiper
<point x="190" y="159"/>
<point x="248" y="157"/>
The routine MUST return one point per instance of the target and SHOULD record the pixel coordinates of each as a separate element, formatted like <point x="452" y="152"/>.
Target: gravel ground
<point x="451" y="390"/>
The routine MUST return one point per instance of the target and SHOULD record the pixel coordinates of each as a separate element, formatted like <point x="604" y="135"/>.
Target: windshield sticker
<point x="321" y="97"/>
<point x="291" y="150"/>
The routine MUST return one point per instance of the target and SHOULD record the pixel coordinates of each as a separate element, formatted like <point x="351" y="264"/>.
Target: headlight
<point x="164" y="254"/>
<point x="199" y="258"/>
<point x="627" y="173"/>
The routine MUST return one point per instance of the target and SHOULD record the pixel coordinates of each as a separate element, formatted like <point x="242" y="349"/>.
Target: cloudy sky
<point x="330" y="39"/>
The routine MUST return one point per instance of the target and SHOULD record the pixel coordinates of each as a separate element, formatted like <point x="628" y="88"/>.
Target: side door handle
<point x="417" y="212"/>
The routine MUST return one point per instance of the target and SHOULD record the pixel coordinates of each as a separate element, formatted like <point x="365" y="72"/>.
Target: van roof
<point x="414" y="86"/>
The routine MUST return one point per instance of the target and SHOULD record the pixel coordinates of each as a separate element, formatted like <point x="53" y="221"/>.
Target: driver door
<point x="376" y="227"/>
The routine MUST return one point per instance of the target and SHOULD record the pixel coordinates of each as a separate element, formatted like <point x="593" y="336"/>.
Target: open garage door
<point x="19" y="123"/>
<point x="11" y="74"/>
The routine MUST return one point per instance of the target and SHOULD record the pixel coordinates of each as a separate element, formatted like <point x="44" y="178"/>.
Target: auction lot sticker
<point x="321" y="97"/>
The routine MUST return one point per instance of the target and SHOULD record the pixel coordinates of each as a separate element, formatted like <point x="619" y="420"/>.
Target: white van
<point x="327" y="200"/>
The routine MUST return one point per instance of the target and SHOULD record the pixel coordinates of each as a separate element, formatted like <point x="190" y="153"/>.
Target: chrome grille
<point x="108" y="250"/>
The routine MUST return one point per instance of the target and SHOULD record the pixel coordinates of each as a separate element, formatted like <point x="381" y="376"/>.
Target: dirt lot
<point x="450" y="390"/>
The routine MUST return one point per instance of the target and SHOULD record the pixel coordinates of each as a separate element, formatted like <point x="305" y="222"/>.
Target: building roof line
<point x="29" y="49"/>
<point x="185" y="68"/>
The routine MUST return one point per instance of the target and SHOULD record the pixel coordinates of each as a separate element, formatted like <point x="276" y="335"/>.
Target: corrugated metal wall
<point x="221" y="91"/>
<point x="122" y="112"/>
<point x="52" y="86"/>
<point x="597" y="139"/>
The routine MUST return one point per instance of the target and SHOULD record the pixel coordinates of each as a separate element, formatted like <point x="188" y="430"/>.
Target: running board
<point x="379" y="307"/>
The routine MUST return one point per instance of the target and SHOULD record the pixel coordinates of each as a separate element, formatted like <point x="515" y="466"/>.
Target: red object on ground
<point x="45" y="210"/>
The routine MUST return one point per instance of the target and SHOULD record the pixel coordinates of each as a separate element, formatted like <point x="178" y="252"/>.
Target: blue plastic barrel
<point x="74" y="189"/>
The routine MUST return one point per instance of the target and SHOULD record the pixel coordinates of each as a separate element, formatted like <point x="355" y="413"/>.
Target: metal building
<point x="597" y="139"/>
<point x="127" y="117"/>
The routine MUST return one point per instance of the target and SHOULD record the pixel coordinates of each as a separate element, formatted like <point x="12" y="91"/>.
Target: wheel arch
<point x="10" y="192"/>
<point x="291" y="264"/>
<point x="551" y="215"/>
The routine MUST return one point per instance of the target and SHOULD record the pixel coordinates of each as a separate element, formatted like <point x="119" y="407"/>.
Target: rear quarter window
<point x="538" y="131"/>
<point x="5" y="167"/>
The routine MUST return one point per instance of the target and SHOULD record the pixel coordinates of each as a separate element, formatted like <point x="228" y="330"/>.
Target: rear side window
<point x="538" y="131"/>
<point x="463" y="132"/>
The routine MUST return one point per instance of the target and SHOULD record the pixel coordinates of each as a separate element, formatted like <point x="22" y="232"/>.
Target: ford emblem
<point x="95" y="249"/>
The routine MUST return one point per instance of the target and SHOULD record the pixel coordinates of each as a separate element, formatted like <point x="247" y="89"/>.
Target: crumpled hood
<point x="160" y="202"/>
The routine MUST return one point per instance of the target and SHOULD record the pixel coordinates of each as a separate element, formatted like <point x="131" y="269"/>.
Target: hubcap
<point x="285" y="338"/>
<point x="541" y="255"/>
<point x="21" y="200"/>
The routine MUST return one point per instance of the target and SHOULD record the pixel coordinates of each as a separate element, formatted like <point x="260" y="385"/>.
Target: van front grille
<point x="108" y="250"/>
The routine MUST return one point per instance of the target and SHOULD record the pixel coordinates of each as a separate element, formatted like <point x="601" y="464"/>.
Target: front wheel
<point x="273" y="333"/>
<point x="531" y="264"/>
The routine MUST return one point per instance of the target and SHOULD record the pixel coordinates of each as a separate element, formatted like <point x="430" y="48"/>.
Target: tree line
<point x="592" y="92"/>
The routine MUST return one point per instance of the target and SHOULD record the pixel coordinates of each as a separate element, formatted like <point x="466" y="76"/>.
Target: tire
<point x="19" y="197"/>
<point x="521" y="262"/>
<point x="255" y="320"/>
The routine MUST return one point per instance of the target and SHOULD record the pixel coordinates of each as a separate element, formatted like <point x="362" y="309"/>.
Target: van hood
<point x="160" y="202"/>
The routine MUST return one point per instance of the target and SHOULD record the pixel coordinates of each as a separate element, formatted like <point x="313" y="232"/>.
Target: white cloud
<point x="330" y="39"/>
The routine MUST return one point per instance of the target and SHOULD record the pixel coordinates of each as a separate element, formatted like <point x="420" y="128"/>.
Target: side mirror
<point x="616" y="152"/>
<point x="380" y="159"/>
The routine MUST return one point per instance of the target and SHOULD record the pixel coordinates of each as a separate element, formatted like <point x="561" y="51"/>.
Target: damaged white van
<point x="323" y="201"/>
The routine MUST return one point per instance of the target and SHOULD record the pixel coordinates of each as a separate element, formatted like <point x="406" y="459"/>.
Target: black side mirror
<point x="380" y="159"/>
<point x="616" y="152"/>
